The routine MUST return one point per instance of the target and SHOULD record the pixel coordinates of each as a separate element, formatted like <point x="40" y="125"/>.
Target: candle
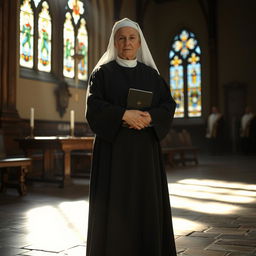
<point x="32" y="116"/>
<point x="72" y="119"/>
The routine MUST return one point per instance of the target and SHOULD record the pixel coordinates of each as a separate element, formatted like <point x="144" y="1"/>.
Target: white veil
<point x="143" y="54"/>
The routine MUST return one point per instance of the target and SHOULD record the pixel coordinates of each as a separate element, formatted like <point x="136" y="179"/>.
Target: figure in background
<point x="129" y="207"/>
<point x="215" y="131"/>
<point x="247" y="130"/>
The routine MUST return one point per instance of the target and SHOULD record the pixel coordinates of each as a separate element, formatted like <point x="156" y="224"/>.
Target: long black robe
<point x="129" y="208"/>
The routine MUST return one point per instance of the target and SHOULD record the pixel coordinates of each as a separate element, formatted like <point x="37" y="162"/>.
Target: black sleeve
<point x="162" y="115"/>
<point x="104" y="118"/>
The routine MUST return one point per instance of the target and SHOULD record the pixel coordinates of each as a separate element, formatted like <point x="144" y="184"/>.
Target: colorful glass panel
<point x="185" y="77"/>
<point x="44" y="40"/>
<point x="82" y="41"/>
<point x="69" y="43"/>
<point x="184" y="43"/>
<point x="26" y="35"/>
<point x="177" y="85"/>
<point x="77" y="8"/>
<point x="198" y="51"/>
<point x="194" y="90"/>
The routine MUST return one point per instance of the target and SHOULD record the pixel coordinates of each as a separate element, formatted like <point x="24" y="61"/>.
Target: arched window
<point x="26" y="35"/>
<point x="69" y="44"/>
<point x="75" y="51"/>
<point x="44" y="39"/>
<point x="29" y="17"/>
<point x="38" y="42"/>
<point x="185" y="75"/>
<point x="82" y="40"/>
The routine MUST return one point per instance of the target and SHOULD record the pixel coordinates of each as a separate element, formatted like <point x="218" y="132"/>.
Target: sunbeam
<point x="211" y="196"/>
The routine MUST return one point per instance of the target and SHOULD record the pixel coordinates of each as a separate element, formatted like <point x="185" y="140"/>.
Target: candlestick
<point x="72" y="122"/>
<point x="32" y="121"/>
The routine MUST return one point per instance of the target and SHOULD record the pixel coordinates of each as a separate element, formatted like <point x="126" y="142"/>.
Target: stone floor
<point x="213" y="206"/>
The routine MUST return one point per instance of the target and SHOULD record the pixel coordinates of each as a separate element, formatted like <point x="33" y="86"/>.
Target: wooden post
<point x="9" y="118"/>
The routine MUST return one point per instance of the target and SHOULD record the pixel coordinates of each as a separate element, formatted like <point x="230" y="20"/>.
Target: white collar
<point x="126" y="63"/>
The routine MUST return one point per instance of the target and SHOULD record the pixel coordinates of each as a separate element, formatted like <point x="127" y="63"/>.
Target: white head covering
<point x="143" y="54"/>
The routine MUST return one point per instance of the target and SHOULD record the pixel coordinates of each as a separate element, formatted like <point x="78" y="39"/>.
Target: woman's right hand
<point x="137" y="119"/>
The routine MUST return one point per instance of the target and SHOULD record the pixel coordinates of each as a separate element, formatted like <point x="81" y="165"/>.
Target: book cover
<point x="139" y="99"/>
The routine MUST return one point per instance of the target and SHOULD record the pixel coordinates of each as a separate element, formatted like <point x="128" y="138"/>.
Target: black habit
<point x="129" y="208"/>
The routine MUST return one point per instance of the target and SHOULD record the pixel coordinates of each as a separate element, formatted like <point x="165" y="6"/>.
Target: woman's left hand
<point x="137" y="119"/>
<point x="146" y="120"/>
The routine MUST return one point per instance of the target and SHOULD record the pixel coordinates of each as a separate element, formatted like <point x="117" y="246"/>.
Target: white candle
<point x="72" y="119"/>
<point x="32" y="116"/>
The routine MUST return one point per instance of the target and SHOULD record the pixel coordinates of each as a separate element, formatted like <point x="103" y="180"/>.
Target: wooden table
<point x="50" y="144"/>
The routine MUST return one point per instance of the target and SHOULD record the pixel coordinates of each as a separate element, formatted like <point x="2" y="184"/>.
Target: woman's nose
<point x="127" y="41"/>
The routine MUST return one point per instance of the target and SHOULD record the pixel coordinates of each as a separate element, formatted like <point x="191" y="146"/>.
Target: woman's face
<point x="127" y="43"/>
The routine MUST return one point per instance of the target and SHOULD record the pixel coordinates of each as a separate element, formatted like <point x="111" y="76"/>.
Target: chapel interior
<point x="204" y="49"/>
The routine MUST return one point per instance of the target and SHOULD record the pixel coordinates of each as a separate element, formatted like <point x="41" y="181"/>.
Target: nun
<point x="129" y="207"/>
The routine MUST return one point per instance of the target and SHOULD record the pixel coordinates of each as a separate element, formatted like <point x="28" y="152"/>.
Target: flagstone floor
<point x="213" y="207"/>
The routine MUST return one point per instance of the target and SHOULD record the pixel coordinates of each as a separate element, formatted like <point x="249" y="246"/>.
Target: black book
<point x="139" y="99"/>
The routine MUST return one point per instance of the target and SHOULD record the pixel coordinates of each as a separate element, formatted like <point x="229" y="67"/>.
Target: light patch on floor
<point x="211" y="196"/>
<point x="57" y="228"/>
<point x="185" y="224"/>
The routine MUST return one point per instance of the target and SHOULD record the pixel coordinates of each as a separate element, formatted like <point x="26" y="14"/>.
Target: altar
<point x="48" y="145"/>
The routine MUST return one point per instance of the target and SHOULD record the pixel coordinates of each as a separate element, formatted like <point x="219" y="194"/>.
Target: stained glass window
<point x="75" y="49"/>
<point x="77" y="8"/>
<point x="176" y="77"/>
<point x="44" y="40"/>
<point x="194" y="86"/>
<point x="82" y="41"/>
<point x="185" y="75"/>
<point x="36" y="46"/>
<point x="26" y="34"/>
<point x="69" y="43"/>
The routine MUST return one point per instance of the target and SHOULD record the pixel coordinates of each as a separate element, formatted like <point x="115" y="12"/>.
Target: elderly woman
<point x="129" y="212"/>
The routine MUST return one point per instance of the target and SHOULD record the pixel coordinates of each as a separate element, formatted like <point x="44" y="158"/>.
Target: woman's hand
<point x="137" y="119"/>
<point x="147" y="117"/>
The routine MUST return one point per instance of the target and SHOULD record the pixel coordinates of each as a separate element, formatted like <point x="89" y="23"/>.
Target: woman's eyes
<point x="130" y="38"/>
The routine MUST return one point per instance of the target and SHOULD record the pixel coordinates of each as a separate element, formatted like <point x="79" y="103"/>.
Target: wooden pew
<point x="170" y="148"/>
<point x="20" y="166"/>
<point x="189" y="151"/>
<point x="178" y="148"/>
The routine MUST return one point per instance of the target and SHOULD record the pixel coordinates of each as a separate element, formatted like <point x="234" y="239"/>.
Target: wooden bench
<point x="178" y="148"/>
<point x="20" y="166"/>
<point x="189" y="151"/>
